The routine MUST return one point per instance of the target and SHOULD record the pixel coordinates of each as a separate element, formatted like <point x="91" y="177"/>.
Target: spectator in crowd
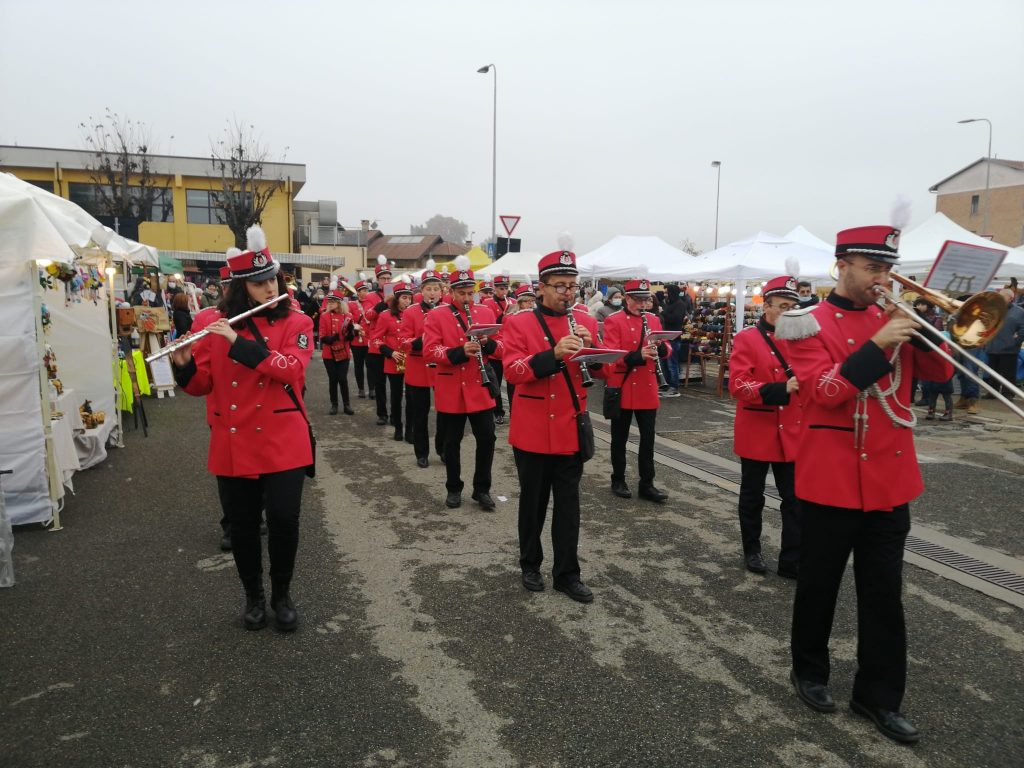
<point x="210" y="296"/>
<point x="181" y="317"/>
<point x="807" y="296"/>
<point x="673" y="317"/>
<point x="612" y="304"/>
<point x="1004" y="349"/>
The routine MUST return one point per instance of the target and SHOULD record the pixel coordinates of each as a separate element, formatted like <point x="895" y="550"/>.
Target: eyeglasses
<point x="561" y="288"/>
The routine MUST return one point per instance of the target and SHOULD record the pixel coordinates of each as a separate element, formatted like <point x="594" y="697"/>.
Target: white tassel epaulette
<point x="797" y="324"/>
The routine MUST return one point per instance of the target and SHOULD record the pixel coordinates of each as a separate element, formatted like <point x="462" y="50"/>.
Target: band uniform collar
<point x="842" y="302"/>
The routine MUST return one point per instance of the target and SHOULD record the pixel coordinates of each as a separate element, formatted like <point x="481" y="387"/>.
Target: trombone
<point x="972" y="324"/>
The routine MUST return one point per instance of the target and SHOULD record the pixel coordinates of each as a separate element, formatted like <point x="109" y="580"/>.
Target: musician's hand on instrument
<point x="182" y="355"/>
<point x="471" y="348"/>
<point x="898" y="330"/>
<point x="649" y="352"/>
<point x="398" y="357"/>
<point x="567" y="346"/>
<point x="223" y="328"/>
<point x="358" y="327"/>
<point x="792" y="385"/>
<point x="584" y="333"/>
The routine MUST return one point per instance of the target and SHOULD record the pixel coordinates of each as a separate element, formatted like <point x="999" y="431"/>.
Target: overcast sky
<point x="609" y="113"/>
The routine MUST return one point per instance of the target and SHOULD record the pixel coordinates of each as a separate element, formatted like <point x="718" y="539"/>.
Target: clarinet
<point x="587" y="379"/>
<point x="485" y="380"/>
<point x="657" y="363"/>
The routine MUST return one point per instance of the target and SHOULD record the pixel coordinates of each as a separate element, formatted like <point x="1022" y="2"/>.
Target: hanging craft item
<point x="45" y="319"/>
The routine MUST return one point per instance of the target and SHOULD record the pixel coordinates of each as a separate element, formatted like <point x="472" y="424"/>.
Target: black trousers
<point x="482" y="424"/>
<point x="620" y="435"/>
<point x="511" y="388"/>
<point x="1005" y="366"/>
<point x="359" y="360"/>
<point x="499" y="374"/>
<point x="376" y="382"/>
<point x="417" y="401"/>
<point x="397" y="383"/>
<point x="242" y="499"/>
<point x="542" y="475"/>
<point x="441" y="422"/>
<point x="876" y="540"/>
<point x="751" y="506"/>
<point x="337" y="376"/>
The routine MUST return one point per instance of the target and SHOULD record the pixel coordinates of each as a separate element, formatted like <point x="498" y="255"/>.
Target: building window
<point x="204" y="206"/>
<point x="974" y="204"/>
<point x="47" y="185"/>
<point x="91" y="197"/>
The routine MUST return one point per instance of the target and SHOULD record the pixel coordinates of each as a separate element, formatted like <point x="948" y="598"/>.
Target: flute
<point x="186" y="341"/>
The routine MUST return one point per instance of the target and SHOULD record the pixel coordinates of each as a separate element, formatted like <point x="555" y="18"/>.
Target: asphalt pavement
<point x="122" y="642"/>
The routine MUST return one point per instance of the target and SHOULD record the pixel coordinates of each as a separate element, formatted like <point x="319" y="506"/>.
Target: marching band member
<point x="459" y="389"/>
<point x="767" y="429"/>
<point x="499" y="303"/>
<point x="418" y="377"/>
<point x="336" y="332"/>
<point x="525" y="301"/>
<point x="636" y="376"/>
<point x="358" y="306"/>
<point x="387" y="335"/>
<point x="856" y="472"/>
<point x="543" y="430"/>
<point x="259" y="439"/>
<point x="374" y="358"/>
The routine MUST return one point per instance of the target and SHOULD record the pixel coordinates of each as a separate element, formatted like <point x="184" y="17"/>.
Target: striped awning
<point x="301" y="259"/>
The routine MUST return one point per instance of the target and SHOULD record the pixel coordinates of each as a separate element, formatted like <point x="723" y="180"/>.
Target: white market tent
<point x="799" y="234"/>
<point x="920" y="247"/>
<point x="626" y="256"/>
<point x="519" y="266"/>
<point x="36" y="225"/>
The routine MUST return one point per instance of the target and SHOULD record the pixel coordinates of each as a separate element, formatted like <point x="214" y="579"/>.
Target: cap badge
<point x="644" y="285"/>
<point x="259" y="260"/>
<point x="565" y="258"/>
<point x="892" y="240"/>
<point x="791" y="284"/>
<point x="463" y="275"/>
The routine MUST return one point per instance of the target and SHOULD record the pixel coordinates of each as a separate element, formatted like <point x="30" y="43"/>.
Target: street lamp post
<point x="494" y="159"/>
<point x="988" y="168"/>
<point x="718" y="189"/>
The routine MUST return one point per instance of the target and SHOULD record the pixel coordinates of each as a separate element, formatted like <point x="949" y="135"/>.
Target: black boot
<point x="334" y="410"/>
<point x="286" y="618"/>
<point x="255" y="608"/>
<point x="399" y="436"/>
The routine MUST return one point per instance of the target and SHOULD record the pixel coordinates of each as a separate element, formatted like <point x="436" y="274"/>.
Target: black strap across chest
<point x="775" y="350"/>
<point x="561" y="365"/>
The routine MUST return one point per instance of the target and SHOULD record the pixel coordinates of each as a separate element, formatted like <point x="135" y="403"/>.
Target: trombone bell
<point x="972" y="323"/>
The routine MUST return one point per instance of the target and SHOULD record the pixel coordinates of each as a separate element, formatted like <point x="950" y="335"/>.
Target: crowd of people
<point x="809" y="380"/>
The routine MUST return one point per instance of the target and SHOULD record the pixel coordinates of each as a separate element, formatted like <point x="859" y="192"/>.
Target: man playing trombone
<point x="856" y="472"/>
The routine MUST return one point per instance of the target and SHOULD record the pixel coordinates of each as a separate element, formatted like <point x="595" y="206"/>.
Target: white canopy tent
<point x="799" y="234"/>
<point x="522" y="265"/>
<point x="37" y="226"/>
<point x="920" y="247"/>
<point x="627" y="256"/>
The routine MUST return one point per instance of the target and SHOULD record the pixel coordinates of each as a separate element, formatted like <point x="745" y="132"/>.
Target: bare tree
<point x="690" y="247"/>
<point x="240" y="161"/>
<point x="450" y="229"/>
<point x="121" y="169"/>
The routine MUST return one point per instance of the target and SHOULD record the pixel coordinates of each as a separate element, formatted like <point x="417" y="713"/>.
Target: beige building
<point x="961" y="197"/>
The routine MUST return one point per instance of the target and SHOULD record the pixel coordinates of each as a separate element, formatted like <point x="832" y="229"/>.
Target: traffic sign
<point x="509" y="223"/>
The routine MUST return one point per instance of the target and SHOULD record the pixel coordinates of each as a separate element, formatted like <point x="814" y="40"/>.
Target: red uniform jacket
<point x="623" y="330"/>
<point x="499" y="307"/>
<point x="543" y="419"/>
<point x="388" y="338"/>
<point x="457" y="387"/>
<point x="357" y="310"/>
<point x="767" y="426"/>
<point x="335" y="326"/>
<point x="837" y="463"/>
<point x="255" y="427"/>
<point x="370" y="304"/>
<point x="417" y="374"/>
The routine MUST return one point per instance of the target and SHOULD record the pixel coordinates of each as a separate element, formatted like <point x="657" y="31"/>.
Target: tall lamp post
<point x="494" y="159"/>
<point x="988" y="168"/>
<point x="718" y="189"/>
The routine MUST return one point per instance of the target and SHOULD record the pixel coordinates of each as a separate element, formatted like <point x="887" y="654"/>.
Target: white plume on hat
<point x="901" y="209"/>
<point x="431" y="264"/>
<point x="334" y="282"/>
<point x="232" y="252"/>
<point x="565" y="241"/>
<point x="407" y="278"/>
<point x="362" y="276"/>
<point x="793" y="266"/>
<point x="255" y="238"/>
<point x="382" y="259"/>
<point x="462" y="263"/>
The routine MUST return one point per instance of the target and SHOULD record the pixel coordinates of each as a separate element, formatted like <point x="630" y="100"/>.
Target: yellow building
<point x="184" y="219"/>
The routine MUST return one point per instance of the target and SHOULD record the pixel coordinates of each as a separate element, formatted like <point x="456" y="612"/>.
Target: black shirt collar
<point x="843" y="303"/>
<point x="763" y="323"/>
<point x="544" y="310"/>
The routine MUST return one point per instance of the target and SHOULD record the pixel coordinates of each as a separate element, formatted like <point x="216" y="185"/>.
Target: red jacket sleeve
<point x="286" y="365"/>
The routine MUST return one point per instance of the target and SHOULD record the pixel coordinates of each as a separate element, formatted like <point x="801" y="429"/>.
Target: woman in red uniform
<point x="253" y="376"/>
<point x="336" y="331"/>
<point x="385" y="332"/>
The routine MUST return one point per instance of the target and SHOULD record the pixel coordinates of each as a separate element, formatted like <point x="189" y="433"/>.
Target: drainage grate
<point x="966" y="564"/>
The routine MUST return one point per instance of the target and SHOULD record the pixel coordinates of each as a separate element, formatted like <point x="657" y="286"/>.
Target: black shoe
<point x="499" y="419"/>
<point x="620" y="489"/>
<point x="483" y="498"/>
<point x="533" y="581"/>
<point x="454" y="500"/>
<point x="255" y="612"/>
<point x="423" y="462"/>
<point x="399" y="435"/>
<point x="361" y="394"/>
<point x="225" y="541"/>
<point x="333" y="411"/>
<point x="577" y="590"/>
<point x="789" y="571"/>
<point x="817" y="696"/>
<point x="348" y="411"/>
<point x="755" y="563"/>
<point x="381" y="421"/>
<point x="286" y="619"/>
<point x="652" y="494"/>
<point x="889" y="723"/>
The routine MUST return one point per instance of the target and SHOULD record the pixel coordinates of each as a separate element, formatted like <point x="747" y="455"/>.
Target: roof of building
<point x="412" y="248"/>
<point x="1016" y="164"/>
